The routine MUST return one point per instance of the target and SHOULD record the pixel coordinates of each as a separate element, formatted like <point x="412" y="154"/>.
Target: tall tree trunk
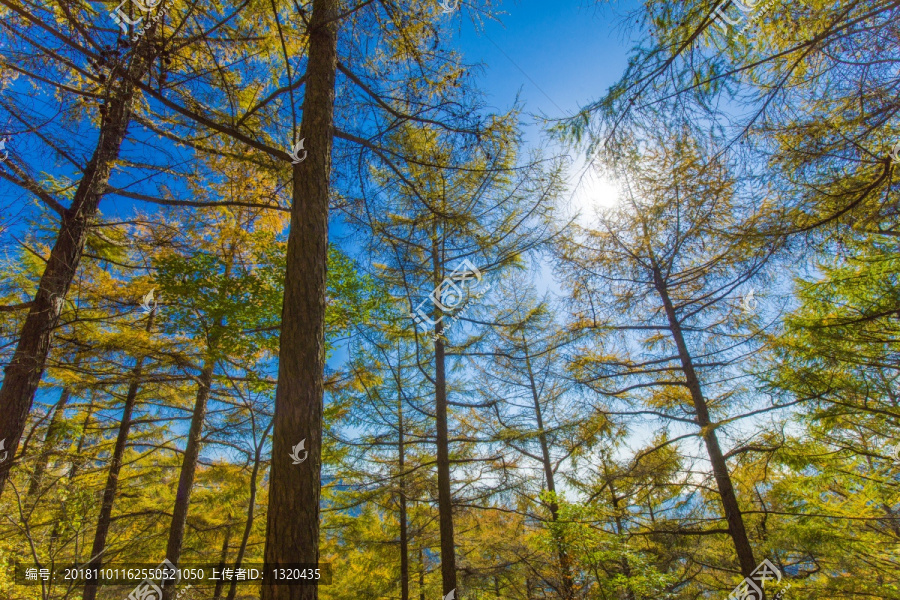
<point x="251" y="510"/>
<point x="292" y="527"/>
<point x="626" y="566"/>
<point x="445" y="499"/>
<point x="220" y="582"/>
<point x="421" y="575"/>
<point x="716" y="458"/>
<point x="73" y="469"/>
<point x="188" y="470"/>
<point x="24" y="371"/>
<point x="445" y="496"/>
<point x="51" y="439"/>
<point x="568" y="585"/>
<point x="112" y="476"/>
<point x="404" y="533"/>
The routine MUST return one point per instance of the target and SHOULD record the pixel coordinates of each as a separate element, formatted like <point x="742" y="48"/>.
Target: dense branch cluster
<point x="280" y="289"/>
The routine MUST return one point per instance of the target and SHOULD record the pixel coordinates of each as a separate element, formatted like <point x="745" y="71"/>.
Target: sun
<point x="591" y="191"/>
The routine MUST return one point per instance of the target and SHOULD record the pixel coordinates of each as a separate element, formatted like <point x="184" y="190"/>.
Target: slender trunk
<point x="565" y="568"/>
<point x="404" y="533"/>
<point x="82" y="437"/>
<point x="292" y="528"/>
<point x="542" y="436"/>
<point x="51" y="439"/>
<point x="421" y="575"/>
<point x="251" y="510"/>
<point x="112" y="476"/>
<point x="445" y="499"/>
<point x="188" y="470"/>
<point x="73" y="469"/>
<point x="716" y="458"/>
<point x="24" y="371"/>
<point x="220" y="582"/>
<point x="626" y="566"/>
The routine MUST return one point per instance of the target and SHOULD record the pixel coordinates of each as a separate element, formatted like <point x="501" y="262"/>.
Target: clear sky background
<point x="559" y="54"/>
<point x="556" y="57"/>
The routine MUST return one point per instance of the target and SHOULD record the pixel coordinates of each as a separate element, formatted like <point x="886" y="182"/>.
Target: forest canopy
<point x="293" y="308"/>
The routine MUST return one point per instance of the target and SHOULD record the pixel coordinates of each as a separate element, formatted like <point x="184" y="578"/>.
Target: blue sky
<point x="557" y="57"/>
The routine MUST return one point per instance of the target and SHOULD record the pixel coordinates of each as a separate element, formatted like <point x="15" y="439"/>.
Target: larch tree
<point x="670" y="257"/>
<point x="67" y="52"/>
<point x="450" y="219"/>
<point x="531" y="411"/>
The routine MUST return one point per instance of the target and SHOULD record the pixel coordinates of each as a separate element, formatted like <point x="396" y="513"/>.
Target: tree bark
<point x="220" y="582"/>
<point x="251" y="509"/>
<point x="421" y="575"/>
<point x="404" y="533"/>
<point x="292" y="528"/>
<point x="445" y="495"/>
<point x="51" y="438"/>
<point x="188" y="470"/>
<point x="568" y="585"/>
<point x="626" y="566"/>
<point x="112" y="476"/>
<point x="24" y="371"/>
<point x="720" y="468"/>
<point x="73" y="469"/>
<point x="445" y="499"/>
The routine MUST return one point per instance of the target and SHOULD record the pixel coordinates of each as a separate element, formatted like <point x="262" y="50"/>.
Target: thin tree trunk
<point x="251" y="509"/>
<point x="24" y="371"/>
<point x="626" y="566"/>
<point x="292" y="528"/>
<point x="563" y="557"/>
<point x="188" y="470"/>
<point x="445" y="499"/>
<point x="112" y="476"/>
<point x="404" y="533"/>
<point x="421" y="575"/>
<point x="73" y="469"/>
<point x="716" y="458"/>
<point x="445" y="496"/>
<point x="220" y="582"/>
<point x="51" y="438"/>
